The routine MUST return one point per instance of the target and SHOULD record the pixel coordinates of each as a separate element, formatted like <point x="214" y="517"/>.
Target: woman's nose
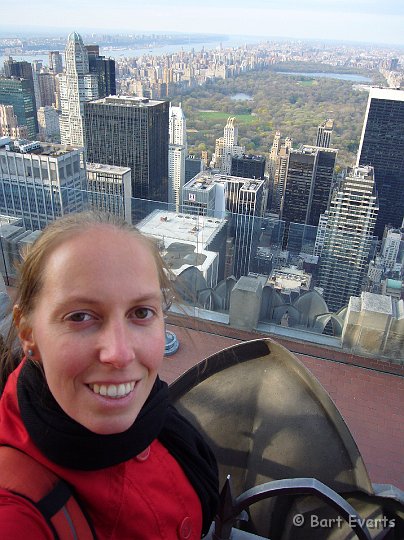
<point x="117" y="344"/>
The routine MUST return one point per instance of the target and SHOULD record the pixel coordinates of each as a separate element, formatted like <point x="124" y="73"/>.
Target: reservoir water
<point x="241" y="97"/>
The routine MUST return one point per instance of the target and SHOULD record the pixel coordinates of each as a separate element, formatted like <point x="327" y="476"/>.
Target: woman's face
<point x="98" y="328"/>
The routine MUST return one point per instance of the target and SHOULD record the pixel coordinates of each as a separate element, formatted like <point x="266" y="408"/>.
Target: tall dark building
<point x="323" y="182"/>
<point x="131" y="132"/>
<point x="47" y="89"/>
<point x="248" y="166"/>
<point x="246" y="221"/>
<point x="104" y="68"/>
<point x="20" y="94"/>
<point x="382" y="147"/>
<point x="14" y="68"/>
<point x="193" y="166"/>
<point x="308" y="184"/>
<point x="324" y="132"/>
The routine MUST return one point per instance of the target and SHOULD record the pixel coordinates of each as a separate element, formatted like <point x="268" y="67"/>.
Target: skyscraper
<point x="27" y="71"/>
<point x="308" y="184"/>
<point x="240" y="200"/>
<point x="47" y="89"/>
<point x="131" y="132"/>
<point x="109" y="188"/>
<point x="324" y="132"/>
<point x="193" y="166"/>
<point x="55" y="62"/>
<point x="348" y="237"/>
<point x="9" y="126"/>
<point x="226" y="147"/>
<point x="246" y="222"/>
<point x="248" y="166"/>
<point x="104" y="68"/>
<point x="36" y="70"/>
<point x="230" y="146"/>
<point x="277" y="169"/>
<point x="19" y="69"/>
<point x="177" y="126"/>
<point x="176" y="155"/>
<point x="49" y="124"/>
<point x="40" y="182"/>
<point x="382" y="147"/>
<point x="20" y="94"/>
<point x="77" y="85"/>
<point x="176" y="174"/>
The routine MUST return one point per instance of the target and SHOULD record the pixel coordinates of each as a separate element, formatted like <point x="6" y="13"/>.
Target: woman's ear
<point x="24" y="329"/>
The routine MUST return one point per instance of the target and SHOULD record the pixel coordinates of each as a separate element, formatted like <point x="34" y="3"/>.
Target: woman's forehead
<point x="101" y="254"/>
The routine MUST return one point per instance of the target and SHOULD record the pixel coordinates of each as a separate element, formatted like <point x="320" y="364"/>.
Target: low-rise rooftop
<point x="23" y="146"/>
<point x="170" y="226"/>
<point x="104" y="168"/>
<point x="128" y="101"/>
<point x="289" y="278"/>
<point x="206" y="181"/>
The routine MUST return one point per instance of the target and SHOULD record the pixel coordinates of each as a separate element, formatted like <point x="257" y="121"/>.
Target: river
<point x="232" y="41"/>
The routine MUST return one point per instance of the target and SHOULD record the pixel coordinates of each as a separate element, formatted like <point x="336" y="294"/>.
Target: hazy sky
<point x="377" y="21"/>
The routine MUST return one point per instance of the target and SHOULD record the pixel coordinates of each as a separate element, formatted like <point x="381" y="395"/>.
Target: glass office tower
<point x="382" y="147"/>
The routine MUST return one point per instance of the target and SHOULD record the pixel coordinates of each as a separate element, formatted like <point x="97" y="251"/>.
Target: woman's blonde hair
<point x="32" y="268"/>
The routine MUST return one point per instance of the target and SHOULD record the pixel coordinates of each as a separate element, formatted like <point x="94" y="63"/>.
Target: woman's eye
<point x="143" y="313"/>
<point x="79" y="317"/>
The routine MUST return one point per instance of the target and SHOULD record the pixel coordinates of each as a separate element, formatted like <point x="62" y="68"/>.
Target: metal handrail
<point x="231" y="508"/>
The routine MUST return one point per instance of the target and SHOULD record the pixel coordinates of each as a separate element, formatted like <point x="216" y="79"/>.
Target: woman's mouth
<point x="113" y="390"/>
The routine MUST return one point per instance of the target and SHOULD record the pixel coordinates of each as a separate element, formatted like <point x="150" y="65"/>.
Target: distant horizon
<point x="20" y="33"/>
<point x="361" y="21"/>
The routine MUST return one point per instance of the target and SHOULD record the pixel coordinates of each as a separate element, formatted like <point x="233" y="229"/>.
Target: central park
<point x="294" y="104"/>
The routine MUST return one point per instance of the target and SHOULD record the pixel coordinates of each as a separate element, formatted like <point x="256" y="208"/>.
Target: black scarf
<point x="69" y="444"/>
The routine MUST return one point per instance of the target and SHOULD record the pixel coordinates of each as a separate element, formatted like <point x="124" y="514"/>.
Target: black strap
<point x="55" y="500"/>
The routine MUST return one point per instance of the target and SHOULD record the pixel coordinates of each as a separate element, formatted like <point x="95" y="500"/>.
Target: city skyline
<point x="363" y="21"/>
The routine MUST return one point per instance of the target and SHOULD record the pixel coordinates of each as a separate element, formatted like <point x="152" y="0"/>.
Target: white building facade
<point x="230" y="147"/>
<point x="49" y="124"/>
<point x="77" y="85"/>
<point x="110" y="189"/>
<point x="40" y="182"/>
<point x="349" y="232"/>
<point x="177" y="152"/>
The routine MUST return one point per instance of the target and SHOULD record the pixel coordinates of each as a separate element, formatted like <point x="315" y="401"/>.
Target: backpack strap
<point x="23" y="476"/>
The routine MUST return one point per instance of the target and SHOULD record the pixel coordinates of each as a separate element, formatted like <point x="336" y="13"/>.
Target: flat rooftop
<point x="310" y="149"/>
<point x="205" y="181"/>
<point x="104" y="168"/>
<point x="23" y="146"/>
<point x="249" y="157"/>
<point x="170" y="226"/>
<point x="289" y="278"/>
<point x="179" y="256"/>
<point x="9" y="220"/>
<point x="127" y="101"/>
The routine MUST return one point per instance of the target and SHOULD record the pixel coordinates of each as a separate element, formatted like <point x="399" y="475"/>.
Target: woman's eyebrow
<point x="81" y="299"/>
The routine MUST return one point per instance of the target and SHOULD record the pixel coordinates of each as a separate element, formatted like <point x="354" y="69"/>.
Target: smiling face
<point x="97" y="327"/>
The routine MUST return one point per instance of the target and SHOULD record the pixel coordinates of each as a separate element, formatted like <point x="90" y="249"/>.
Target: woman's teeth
<point x="113" y="390"/>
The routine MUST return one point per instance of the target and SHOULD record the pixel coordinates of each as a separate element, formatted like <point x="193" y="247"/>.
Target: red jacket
<point x="146" y="498"/>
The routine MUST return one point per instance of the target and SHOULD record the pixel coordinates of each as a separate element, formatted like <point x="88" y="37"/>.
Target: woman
<point x="86" y="402"/>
